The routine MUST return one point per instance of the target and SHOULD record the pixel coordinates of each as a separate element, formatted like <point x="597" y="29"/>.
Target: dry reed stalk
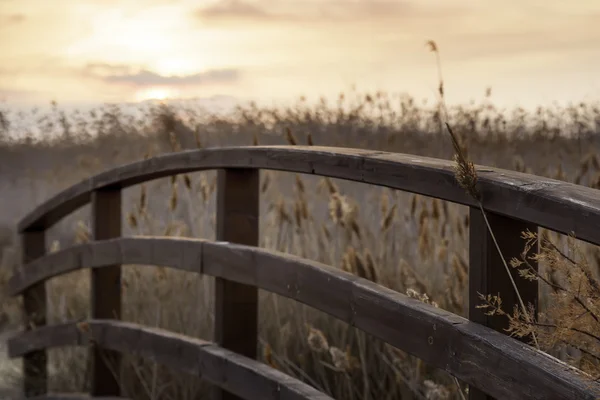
<point x="466" y="175"/>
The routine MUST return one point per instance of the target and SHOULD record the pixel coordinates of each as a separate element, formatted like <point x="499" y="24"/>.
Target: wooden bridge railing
<point x="475" y="351"/>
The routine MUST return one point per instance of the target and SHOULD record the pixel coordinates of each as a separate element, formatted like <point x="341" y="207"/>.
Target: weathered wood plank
<point x="177" y="253"/>
<point x="105" y="291"/>
<point x="233" y="372"/>
<point x="487" y="273"/>
<point x="236" y="304"/>
<point x="556" y="205"/>
<point x="477" y="355"/>
<point x="35" y="364"/>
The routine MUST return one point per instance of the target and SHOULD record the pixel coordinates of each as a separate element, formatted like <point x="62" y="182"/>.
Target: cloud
<point x="103" y="69"/>
<point x="322" y="10"/>
<point x="11" y="19"/>
<point x="233" y="9"/>
<point x="122" y="74"/>
<point x="246" y="11"/>
<point x="145" y="78"/>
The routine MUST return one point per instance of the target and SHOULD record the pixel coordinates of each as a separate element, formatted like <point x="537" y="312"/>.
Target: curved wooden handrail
<point x="479" y="356"/>
<point x="178" y="253"/>
<point x="556" y="205"/>
<point x="237" y="374"/>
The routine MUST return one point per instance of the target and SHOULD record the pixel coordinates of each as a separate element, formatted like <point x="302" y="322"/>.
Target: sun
<point x="154" y="93"/>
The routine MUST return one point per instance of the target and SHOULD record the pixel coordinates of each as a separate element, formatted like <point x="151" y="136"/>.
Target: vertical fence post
<point x="236" y="305"/>
<point x="105" y="291"/>
<point x="487" y="274"/>
<point x="35" y="364"/>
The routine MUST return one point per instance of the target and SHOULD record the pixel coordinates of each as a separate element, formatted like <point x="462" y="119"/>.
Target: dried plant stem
<point x="462" y="395"/>
<point x="591" y="280"/>
<point x="512" y="280"/>
<point x="556" y="286"/>
<point x="466" y="176"/>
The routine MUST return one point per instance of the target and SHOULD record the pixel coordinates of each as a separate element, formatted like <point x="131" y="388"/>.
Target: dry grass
<point x="409" y="243"/>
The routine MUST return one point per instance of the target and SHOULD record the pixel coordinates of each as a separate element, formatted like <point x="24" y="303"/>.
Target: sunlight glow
<point x="148" y="34"/>
<point x="155" y="93"/>
<point x="122" y="50"/>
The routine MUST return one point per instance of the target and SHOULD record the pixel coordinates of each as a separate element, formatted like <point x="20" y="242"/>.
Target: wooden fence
<point x="475" y="351"/>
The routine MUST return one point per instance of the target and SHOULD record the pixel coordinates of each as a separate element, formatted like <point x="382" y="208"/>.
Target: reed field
<point x="412" y="244"/>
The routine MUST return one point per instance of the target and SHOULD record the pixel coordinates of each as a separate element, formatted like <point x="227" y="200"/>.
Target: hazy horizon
<point x="530" y="52"/>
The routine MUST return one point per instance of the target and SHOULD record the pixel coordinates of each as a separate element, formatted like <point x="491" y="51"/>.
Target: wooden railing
<point x="475" y="351"/>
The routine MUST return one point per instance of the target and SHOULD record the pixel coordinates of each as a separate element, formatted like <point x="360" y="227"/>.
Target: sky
<point x="81" y="52"/>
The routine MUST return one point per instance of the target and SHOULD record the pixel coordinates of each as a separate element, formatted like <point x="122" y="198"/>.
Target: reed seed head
<point x="317" y="341"/>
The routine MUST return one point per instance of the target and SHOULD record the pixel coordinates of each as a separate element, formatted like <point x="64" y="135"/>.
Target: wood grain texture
<point x="233" y="372"/>
<point x="236" y="304"/>
<point x="35" y="365"/>
<point x="556" y="205"/>
<point x="487" y="273"/>
<point x="105" y="291"/>
<point x="479" y="356"/>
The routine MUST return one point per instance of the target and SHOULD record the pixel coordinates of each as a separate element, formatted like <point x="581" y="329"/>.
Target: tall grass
<point x="409" y="243"/>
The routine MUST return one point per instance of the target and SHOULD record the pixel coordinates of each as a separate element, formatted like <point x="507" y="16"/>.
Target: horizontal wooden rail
<point x="178" y="253"/>
<point x="549" y="203"/>
<point x="479" y="356"/>
<point x="237" y="374"/>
